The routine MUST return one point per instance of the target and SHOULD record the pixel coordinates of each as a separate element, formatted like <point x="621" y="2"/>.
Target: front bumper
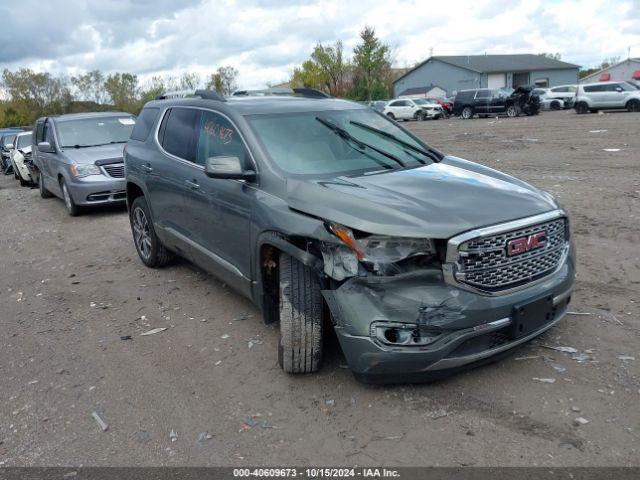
<point x="476" y="328"/>
<point x="97" y="190"/>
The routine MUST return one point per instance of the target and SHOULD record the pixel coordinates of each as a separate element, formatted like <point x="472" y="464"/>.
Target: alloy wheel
<point x="141" y="234"/>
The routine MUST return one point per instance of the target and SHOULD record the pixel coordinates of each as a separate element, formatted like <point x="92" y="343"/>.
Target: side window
<point x="48" y="133"/>
<point x="483" y="94"/>
<point x="396" y="104"/>
<point x="144" y="123"/>
<point x="39" y="136"/>
<point x="218" y="137"/>
<point x="179" y="132"/>
<point x="592" y="88"/>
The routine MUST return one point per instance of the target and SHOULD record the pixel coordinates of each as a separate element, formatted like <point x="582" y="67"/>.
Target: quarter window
<point x="179" y="126"/>
<point x="144" y="122"/>
<point x="217" y="136"/>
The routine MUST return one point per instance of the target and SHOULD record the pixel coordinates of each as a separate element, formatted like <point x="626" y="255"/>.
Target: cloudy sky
<point x="265" y="39"/>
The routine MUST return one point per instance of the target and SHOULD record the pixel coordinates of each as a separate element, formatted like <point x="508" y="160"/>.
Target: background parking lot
<point x="72" y="291"/>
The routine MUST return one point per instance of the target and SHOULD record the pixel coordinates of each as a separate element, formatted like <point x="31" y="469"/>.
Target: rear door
<point x="167" y="173"/>
<point x="482" y="100"/>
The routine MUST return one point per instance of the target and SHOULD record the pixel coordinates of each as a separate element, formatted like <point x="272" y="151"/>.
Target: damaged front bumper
<point x="452" y="327"/>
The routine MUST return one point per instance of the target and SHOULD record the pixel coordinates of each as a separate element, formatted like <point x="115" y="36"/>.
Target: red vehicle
<point x="446" y="105"/>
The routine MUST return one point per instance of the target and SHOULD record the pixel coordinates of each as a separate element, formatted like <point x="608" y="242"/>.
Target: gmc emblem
<point x="526" y="244"/>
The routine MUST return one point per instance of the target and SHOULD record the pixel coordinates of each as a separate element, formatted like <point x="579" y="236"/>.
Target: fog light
<point x="401" y="334"/>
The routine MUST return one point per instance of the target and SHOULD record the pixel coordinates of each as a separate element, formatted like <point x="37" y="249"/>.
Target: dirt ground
<point x="70" y="288"/>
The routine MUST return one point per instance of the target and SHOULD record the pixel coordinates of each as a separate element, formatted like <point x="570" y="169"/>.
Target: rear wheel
<point x="581" y="108"/>
<point x="555" y="106"/>
<point x="72" y="208"/>
<point x="512" y="111"/>
<point x="391" y="116"/>
<point x="467" y="113"/>
<point x="633" y="105"/>
<point x="300" y="348"/>
<point x="150" y="249"/>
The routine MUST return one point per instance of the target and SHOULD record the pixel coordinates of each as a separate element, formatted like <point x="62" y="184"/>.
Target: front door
<point x="483" y="97"/>
<point x="219" y="210"/>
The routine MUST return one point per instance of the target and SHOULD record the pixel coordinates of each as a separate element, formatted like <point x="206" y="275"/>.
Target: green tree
<point x="372" y="64"/>
<point x="223" y="81"/>
<point x="123" y="90"/>
<point x="36" y="92"/>
<point x="325" y="70"/>
<point x="90" y="86"/>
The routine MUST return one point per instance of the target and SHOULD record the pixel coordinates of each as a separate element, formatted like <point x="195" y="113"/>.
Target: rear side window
<point x="179" y="126"/>
<point x="465" y="95"/>
<point x="144" y="123"/>
<point x="39" y="136"/>
<point x="218" y="137"/>
<point x="593" y="88"/>
<point x="483" y="94"/>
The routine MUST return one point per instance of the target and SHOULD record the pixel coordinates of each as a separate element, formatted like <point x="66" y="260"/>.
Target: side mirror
<point x="227" y="167"/>
<point x="46" y="147"/>
<point x="9" y="146"/>
<point x="618" y="89"/>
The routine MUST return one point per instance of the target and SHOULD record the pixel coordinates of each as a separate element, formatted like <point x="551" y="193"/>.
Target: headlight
<point x="84" y="170"/>
<point x="380" y="253"/>
<point x="377" y="249"/>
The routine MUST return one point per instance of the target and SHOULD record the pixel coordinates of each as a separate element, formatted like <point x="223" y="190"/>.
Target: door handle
<point x="146" y="168"/>
<point x="192" y="185"/>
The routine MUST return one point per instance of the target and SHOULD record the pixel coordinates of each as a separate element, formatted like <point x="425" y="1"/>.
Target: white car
<point x="20" y="153"/>
<point x="566" y="93"/>
<point x="547" y="102"/>
<point x="592" y="97"/>
<point x="410" y="109"/>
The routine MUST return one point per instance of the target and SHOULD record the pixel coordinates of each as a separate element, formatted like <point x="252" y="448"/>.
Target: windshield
<point x="89" y="132"/>
<point x="24" y="141"/>
<point x="301" y="144"/>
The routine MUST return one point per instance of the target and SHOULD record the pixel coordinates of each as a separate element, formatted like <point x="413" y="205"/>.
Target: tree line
<point x="365" y="75"/>
<point x="29" y="94"/>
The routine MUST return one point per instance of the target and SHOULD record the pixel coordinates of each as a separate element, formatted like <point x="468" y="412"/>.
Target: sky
<point x="266" y="39"/>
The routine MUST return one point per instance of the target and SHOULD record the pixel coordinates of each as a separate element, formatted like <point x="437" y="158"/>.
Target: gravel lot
<point x="71" y="287"/>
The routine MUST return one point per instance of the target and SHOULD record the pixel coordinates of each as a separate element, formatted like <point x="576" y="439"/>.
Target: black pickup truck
<point x="489" y="102"/>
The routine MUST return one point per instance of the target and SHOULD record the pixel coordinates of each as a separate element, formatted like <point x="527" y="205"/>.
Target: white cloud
<point x="265" y="39"/>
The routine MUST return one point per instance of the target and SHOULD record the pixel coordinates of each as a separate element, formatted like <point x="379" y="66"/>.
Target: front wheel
<point x="420" y="116"/>
<point x="149" y="247"/>
<point x="467" y="113"/>
<point x="72" y="208"/>
<point x="633" y="105"/>
<point x="300" y="348"/>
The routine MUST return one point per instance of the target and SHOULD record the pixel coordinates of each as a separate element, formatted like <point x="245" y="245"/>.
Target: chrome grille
<point x="115" y="170"/>
<point x="483" y="262"/>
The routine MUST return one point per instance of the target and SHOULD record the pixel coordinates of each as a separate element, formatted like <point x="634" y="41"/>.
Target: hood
<point x="91" y="154"/>
<point x="438" y="200"/>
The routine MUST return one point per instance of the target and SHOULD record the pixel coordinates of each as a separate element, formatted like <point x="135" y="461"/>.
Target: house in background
<point x="460" y="72"/>
<point x="628" y="69"/>
<point x="432" y="91"/>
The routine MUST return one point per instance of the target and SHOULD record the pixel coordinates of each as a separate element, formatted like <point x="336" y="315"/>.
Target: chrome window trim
<point x="193" y="164"/>
<point x="449" y="268"/>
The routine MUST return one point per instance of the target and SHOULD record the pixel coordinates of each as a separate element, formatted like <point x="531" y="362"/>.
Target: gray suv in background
<point x="325" y="212"/>
<point x="78" y="158"/>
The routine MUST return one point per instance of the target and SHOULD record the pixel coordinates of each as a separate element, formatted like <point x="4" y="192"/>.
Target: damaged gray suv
<point x="325" y="213"/>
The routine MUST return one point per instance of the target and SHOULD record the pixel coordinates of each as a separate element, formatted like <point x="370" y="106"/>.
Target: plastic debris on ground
<point x="579" y="313"/>
<point x="545" y="380"/>
<point x="224" y="336"/>
<point x="103" y="426"/>
<point x="580" y="421"/>
<point x="251" y="343"/>
<point x="125" y="337"/>
<point x="252" y="422"/>
<point x="173" y="436"/>
<point x="99" y="306"/>
<point x="611" y="149"/>
<point x="204" y="436"/>
<point x="597" y="131"/>
<point x="153" y="331"/>
<point x="561" y="349"/>
<point x="626" y="358"/>
<point x="143" y="436"/>
<point x="243" y="316"/>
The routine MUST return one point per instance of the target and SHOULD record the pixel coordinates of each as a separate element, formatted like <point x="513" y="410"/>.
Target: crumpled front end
<point x="424" y="323"/>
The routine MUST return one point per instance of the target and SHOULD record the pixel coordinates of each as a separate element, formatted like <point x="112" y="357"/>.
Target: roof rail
<point x="277" y="91"/>
<point x="206" y="94"/>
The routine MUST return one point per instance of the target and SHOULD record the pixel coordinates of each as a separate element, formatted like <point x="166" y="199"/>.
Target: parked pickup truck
<point x="324" y="212"/>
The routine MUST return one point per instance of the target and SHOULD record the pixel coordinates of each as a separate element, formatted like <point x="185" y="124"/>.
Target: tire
<point x="72" y="208"/>
<point x="149" y="247"/>
<point x="633" y="105"/>
<point x="44" y="193"/>
<point x="581" y="108"/>
<point x="23" y="182"/>
<point x="15" y="173"/>
<point x="420" y="116"/>
<point x="467" y="113"/>
<point x="391" y="116"/>
<point x="555" y="106"/>
<point x="512" y="111"/>
<point x="300" y="348"/>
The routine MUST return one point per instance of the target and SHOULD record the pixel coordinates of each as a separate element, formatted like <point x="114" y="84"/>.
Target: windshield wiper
<point x="347" y="136"/>
<point x="77" y="146"/>
<point x="94" y="145"/>
<point x="432" y="154"/>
